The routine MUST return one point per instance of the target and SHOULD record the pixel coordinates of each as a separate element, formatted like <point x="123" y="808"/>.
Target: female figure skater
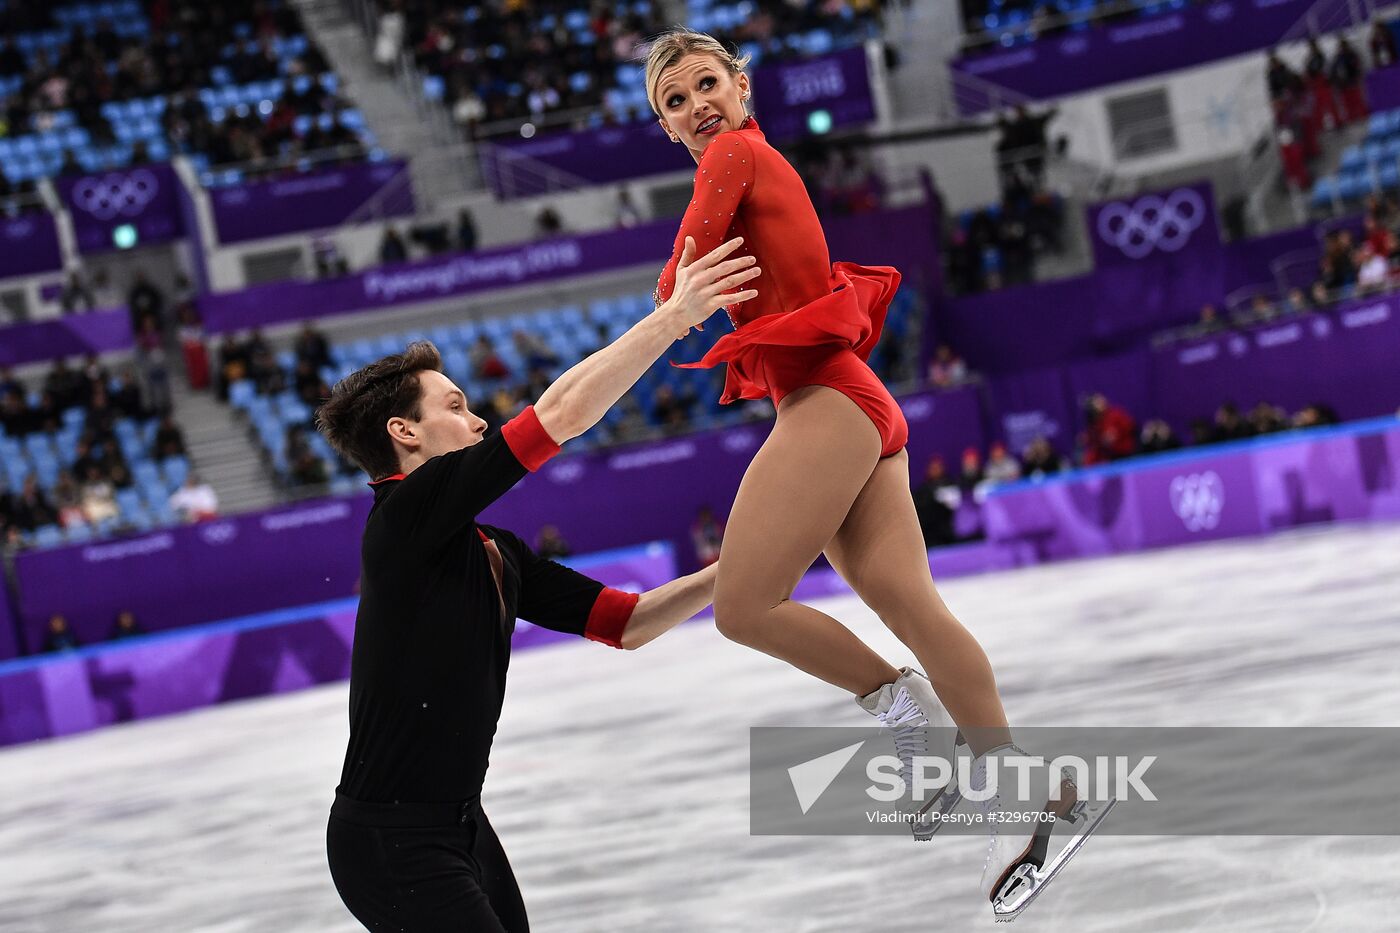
<point x="833" y="476"/>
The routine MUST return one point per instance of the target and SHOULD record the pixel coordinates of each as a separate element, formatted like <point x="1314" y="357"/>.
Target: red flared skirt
<point x="825" y="342"/>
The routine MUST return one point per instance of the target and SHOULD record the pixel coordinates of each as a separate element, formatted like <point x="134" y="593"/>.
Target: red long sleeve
<point x="724" y="179"/>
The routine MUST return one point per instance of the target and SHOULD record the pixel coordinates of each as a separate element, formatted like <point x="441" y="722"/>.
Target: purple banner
<point x="8" y="645"/>
<point x="785" y="96"/>
<point x="849" y="238"/>
<point x="1341" y="474"/>
<point x="1030" y="405"/>
<point x="276" y="653"/>
<point x="70" y="335"/>
<point x="144" y="196"/>
<point x="1345" y="358"/>
<point x="1383" y="88"/>
<point x="309" y="201"/>
<point x="1159" y="224"/>
<point x="29" y="244"/>
<point x="1069" y="62"/>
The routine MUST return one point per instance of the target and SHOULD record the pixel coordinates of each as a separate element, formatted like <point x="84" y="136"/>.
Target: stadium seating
<point x="1368" y="167"/>
<point x="1005" y="23"/>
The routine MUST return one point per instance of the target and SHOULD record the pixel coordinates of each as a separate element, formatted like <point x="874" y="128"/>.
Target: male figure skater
<point x="409" y="846"/>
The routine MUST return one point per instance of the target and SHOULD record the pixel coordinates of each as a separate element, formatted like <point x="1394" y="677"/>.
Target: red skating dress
<point x="813" y="322"/>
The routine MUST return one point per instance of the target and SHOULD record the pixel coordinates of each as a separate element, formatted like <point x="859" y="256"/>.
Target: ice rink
<point x="619" y="781"/>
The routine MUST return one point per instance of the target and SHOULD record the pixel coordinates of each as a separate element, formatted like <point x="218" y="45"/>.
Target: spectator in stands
<point x="329" y="261"/>
<point x="1318" y="296"/>
<point x="548" y="223"/>
<point x="31" y="508"/>
<point x="95" y="375"/>
<point x="1373" y="270"/>
<point x="76" y="295"/>
<point x="935" y="502"/>
<point x="392" y="248"/>
<point x="970" y="475"/>
<point x="1315" y="416"/>
<point x="311" y="345"/>
<point x="308" y="470"/>
<point x="706" y="535"/>
<point x="126" y="397"/>
<point x="306" y="382"/>
<point x="15" y="416"/>
<point x="1267" y="419"/>
<point x="466" y="231"/>
<point x="155" y="369"/>
<point x="1338" y="265"/>
<point x="551" y="544"/>
<point x="1022" y="148"/>
<point x="1382" y="45"/>
<point x="533" y="350"/>
<point x="1346" y="72"/>
<point x="1157" y="436"/>
<point x="195" y="501"/>
<point x="68" y="500"/>
<point x="8" y="382"/>
<point x="535" y="385"/>
<point x="144" y="300"/>
<point x="67" y="386"/>
<point x="670" y="409"/>
<point x="947" y="368"/>
<point x="126" y="626"/>
<point x="1296" y="302"/>
<point x="626" y="214"/>
<point x="101" y="419"/>
<point x="59" y="636"/>
<point x="1040" y="459"/>
<point x="1001" y="466"/>
<point x="1281" y="79"/>
<point x="1325" y="112"/>
<point x="98" y="497"/>
<point x="120" y="475"/>
<point x="1229" y="425"/>
<point x="486" y="363"/>
<point x="169" y="439"/>
<point x="1260" y="309"/>
<point x="1111" y="433"/>
<point x="1379" y="239"/>
<point x="193" y="348"/>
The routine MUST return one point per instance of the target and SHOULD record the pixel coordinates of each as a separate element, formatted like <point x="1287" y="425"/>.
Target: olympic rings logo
<point x="107" y="197"/>
<point x="1152" y="222"/>
<point x="1198" y="500"/>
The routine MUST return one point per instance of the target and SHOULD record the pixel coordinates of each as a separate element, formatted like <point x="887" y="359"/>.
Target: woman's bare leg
<point x="793" y="498"/>
<point x="880" y="552"/>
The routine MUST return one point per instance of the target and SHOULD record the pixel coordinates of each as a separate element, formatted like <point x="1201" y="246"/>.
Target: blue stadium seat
<point x="48" y="536"/>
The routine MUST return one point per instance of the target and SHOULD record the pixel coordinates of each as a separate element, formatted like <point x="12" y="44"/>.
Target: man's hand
<point x="701" y="284"/>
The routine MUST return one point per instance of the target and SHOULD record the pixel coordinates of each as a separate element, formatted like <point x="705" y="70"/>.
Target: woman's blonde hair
<point x="673" y="45"/>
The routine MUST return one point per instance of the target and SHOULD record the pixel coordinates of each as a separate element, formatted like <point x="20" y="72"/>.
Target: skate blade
<point x="1027" y="881"/>
<point x="941" y="804"/>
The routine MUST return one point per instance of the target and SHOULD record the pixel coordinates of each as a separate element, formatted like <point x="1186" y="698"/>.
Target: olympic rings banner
<point x="144" y="196"/>
<point x="1153" y="225"/>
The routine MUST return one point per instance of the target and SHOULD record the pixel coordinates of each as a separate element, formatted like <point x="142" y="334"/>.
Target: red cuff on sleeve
<point x="528" y="440"/>
<point x="611" y="611"/>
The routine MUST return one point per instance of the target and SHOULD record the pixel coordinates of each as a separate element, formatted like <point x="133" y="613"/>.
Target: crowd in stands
<point x="83" y="452"/>
<point x="1110" y="434"/>
<point x="998" y="245"/>
<point x="513" y="62"/>
<point x="1318" y="94"/>
<point x="993" y="24"/>
<point x="60" y="637"/>
<point x="1350" y="264"/>
<point x="227" y="83"/>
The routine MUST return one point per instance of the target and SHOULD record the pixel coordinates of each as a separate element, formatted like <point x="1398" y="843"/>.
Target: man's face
<point x="447" y="424"/>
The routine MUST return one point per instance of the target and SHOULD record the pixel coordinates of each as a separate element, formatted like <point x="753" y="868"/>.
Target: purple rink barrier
<point x="785" y="95"/>
<point x="70" y="335"/>
<point x="1347" y="473"/>
<point x="307" y="201"/>
<point x="29" y="244"/>
<point x="1158" y="224"/>
<point x="271" y="653"/>
<point x="863" y="238"/>
<point x="1069" y="62"/>
<point x="145" y="196"/>
<point x="8" y="647"/>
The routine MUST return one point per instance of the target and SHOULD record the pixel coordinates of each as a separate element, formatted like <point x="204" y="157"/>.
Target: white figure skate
<point x="910" y="708"/>
<point x="1015" y="870"/>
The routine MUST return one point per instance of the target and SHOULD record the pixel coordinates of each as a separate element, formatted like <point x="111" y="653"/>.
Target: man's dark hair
<point x="353" y="418"/>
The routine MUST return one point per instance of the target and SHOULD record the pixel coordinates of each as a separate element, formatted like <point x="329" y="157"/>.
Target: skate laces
<point x="906" y="721"/>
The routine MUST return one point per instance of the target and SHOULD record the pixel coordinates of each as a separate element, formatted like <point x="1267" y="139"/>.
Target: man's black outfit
<point x="409" y="847"/>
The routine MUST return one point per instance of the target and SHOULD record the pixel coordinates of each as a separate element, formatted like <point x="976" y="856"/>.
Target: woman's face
<point x="698" y="98"/>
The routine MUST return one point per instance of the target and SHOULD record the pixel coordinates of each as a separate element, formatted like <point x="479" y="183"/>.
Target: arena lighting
<point x="819" y="122"/>
<point x="527" y="130"/>
<point x="124" y="236"/>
